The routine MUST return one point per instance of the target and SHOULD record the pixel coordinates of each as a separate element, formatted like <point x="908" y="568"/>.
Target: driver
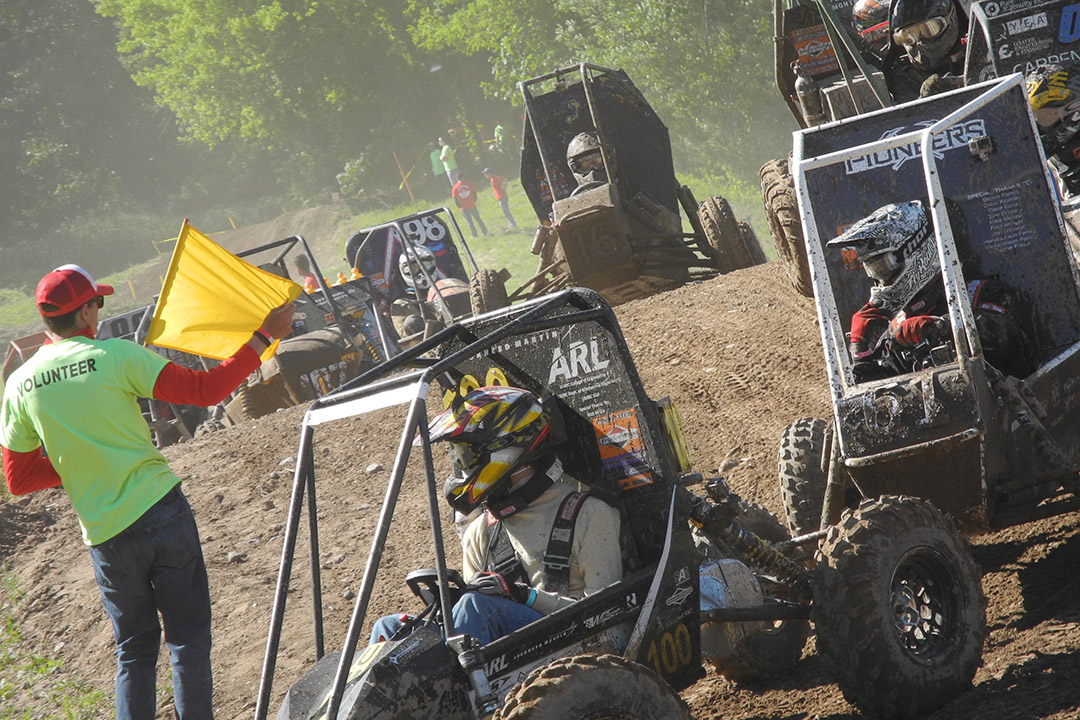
<point x="927" y="55"/>
<point x="907" y="304"/>
<point x="586" y="160"/>
<point x="1054" y="94"/>
<point x="504" y="462"/>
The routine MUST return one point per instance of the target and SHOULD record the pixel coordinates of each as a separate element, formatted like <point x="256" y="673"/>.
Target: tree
<point x="704" y="66"/>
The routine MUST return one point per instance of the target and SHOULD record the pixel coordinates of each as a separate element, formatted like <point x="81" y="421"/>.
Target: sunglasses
<point x="99" y="301"/>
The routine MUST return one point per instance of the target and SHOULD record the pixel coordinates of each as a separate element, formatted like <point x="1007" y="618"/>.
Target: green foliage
<point x="704" y="66"/>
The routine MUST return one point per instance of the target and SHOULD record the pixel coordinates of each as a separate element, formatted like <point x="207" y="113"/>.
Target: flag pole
<point x="404" y="179"/>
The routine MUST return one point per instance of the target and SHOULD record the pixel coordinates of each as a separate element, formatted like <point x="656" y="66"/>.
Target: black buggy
<point x="623" y="651"/>
<point x="620" y="235"/>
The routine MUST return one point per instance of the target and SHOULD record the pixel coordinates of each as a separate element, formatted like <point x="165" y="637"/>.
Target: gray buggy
<point x="952" y="432"/>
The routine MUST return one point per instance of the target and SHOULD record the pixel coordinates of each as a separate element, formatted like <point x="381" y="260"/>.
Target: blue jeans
<point x="156" y="565"/>
<point x="484" y="617"/>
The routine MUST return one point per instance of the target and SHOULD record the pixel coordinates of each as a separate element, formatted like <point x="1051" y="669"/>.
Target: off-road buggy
<point x="625" y="650"/>
<point x="336" y="334"/>
<point x="821" y="85"/>
<point x="423" y="273"/>
<point x="621" y="236"/>
<point x="823" y="74"/>
<point x="988" y="449"/>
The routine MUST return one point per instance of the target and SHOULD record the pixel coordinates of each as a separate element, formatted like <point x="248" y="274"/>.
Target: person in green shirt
<point x="446" y="155"/>
<point x="437" y="168"/>
<point x="71" y="417"/>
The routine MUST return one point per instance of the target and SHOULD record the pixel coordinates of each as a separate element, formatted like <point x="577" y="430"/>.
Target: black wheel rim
<point x="925" y="604"/>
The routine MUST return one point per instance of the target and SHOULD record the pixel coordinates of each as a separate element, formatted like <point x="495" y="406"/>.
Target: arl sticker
<point x="578" y="359"/>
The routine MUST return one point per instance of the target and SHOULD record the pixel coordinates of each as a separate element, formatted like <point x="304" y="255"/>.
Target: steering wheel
<point x="425" y="585"/>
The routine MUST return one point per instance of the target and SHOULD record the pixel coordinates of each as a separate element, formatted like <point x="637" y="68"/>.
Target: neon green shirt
<point x="79" y="398"/>
<point x="447" y="157"/>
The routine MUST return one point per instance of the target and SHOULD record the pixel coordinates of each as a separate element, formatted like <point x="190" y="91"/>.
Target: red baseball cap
<point x="68" y="287"/>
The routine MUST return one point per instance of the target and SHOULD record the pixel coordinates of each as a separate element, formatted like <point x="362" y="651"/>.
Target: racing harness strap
<point x="556" y="558"/>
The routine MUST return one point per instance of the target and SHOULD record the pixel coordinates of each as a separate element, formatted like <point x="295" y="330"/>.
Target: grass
<point x="25" y="672"/>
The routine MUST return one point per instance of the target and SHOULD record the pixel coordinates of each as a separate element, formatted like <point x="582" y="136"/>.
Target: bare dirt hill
<point x="741" y="357"/>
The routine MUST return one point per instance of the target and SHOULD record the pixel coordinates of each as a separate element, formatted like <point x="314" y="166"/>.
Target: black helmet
<point x="585" y="159"/>
<point x="928" y="30"/>
<point x="1054" y="94"/>
<point x="870" y="18"/>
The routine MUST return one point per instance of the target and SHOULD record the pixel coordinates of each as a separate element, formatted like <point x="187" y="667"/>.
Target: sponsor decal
<point x="954" y="138"/>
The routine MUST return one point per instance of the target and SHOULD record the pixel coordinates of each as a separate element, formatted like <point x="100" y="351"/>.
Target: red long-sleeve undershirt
<point x="30" y="471"/>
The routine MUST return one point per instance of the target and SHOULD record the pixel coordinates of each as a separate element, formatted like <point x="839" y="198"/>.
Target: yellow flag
<point x="212" y="300"/>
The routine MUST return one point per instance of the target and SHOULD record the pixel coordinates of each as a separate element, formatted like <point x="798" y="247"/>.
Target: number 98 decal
<point x="426" y="229"/>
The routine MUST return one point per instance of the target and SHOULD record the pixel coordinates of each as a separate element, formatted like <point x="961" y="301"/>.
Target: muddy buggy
<point x="821" y="85"/>
<point x="625" y="650"/>
<point x="988" y="449"/>
<point x="824" y="74"/>
<point x="336" y="334"/>
<point x="423" y="273"/>
<point x="621" y="236"/>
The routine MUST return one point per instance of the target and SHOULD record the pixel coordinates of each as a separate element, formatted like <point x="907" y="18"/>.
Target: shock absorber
<point x="718" y="520"/>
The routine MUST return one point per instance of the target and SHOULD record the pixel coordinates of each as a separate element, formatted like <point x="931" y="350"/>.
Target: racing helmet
<point x="928" y="30"/>
<point x="870" y="18"/>
<point x="894" y="245"/>
<point x="492" y="431"/>
<point x="585" y="159"/>
<point x="1054" y="94"/>
<point x="414" y="278"/>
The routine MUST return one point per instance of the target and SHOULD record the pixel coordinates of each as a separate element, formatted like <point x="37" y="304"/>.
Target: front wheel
<point x="803" y="473"/>
<point x="593" y="687"/>
<point x="785" y="224"/>
<point x="771" y="649"/>
<point x="898" y="607"/>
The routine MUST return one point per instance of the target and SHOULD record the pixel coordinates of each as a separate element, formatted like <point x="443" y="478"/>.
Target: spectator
<point x="446" y="156"/>
<point x="303" y="270"/>
<point x="437" y="168"/>
<point x="78" y="397"/>
<point x="464" y="194"/>
<point x="498" y="186"/>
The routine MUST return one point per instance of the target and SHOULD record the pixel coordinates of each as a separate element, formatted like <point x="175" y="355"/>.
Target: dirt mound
<point x="741" y="357"/>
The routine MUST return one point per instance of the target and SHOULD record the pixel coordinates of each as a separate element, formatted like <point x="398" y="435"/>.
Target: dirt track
<point x="741" y="357"/>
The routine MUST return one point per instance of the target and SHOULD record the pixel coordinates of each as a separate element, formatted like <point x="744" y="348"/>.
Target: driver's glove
<point x="911" y="331"/>
<point x="492" y="583"/>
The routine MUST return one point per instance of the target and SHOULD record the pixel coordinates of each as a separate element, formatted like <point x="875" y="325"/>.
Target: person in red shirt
<point x="77" y="399"/>
<point x="464" y="194"/>
<point x="498" y="186"/>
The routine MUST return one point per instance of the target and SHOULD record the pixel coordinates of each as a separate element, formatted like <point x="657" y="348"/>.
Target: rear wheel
<point x="899" y="608"/>
<point x="750" y="242"/>
<point x="254" y="401"/>
<point x="803" y="474"/>
<point x="730" y="247"/>
<point x="785" y="225"/>
<point x="593" y="687"/>
<point x="487" y="292"/>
